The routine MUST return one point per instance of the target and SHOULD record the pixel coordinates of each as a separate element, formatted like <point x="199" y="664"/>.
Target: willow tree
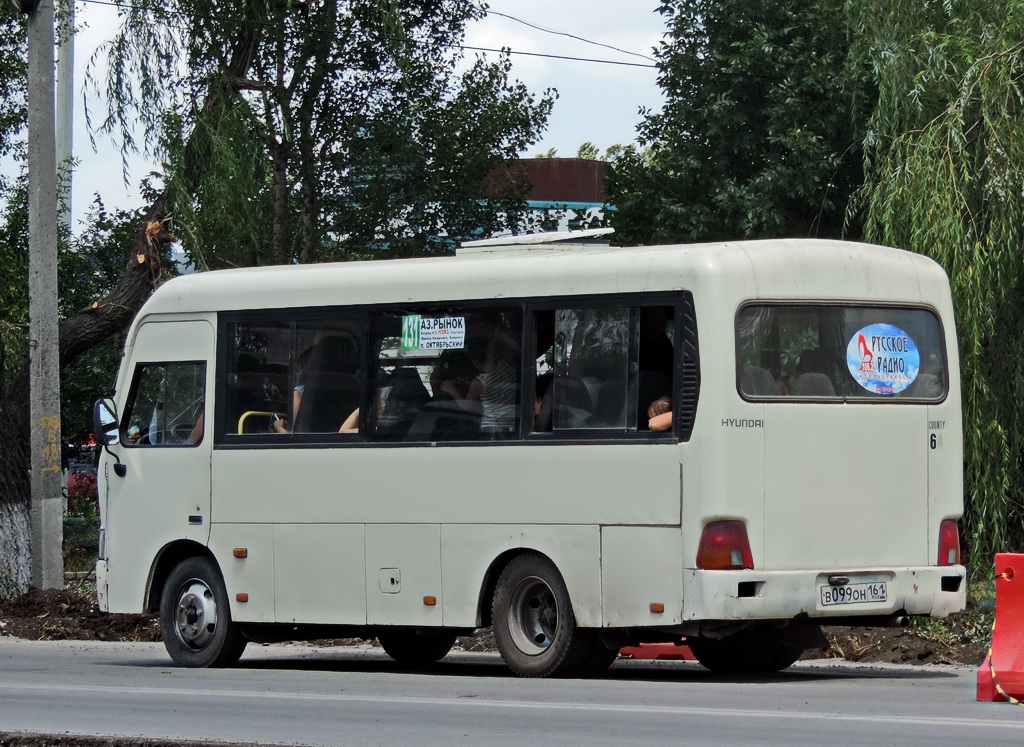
<point x="945" y="177"/>
<point x="301" y="131"/>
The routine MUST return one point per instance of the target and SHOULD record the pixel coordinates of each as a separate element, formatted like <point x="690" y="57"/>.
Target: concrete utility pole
<point x="46" y="568"/>
<point x="65" y="103"/>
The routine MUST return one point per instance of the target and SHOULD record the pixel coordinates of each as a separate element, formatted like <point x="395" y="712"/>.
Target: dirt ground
<point x="72" y="615"/>
<point x="63" y="615"/>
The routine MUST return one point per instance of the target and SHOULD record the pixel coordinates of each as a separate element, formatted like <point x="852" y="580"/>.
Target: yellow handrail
<point x="241" y="420"/>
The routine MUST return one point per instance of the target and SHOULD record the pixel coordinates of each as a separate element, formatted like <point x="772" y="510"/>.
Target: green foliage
<point x="588" y="151"/>
<point x="973" y="625"/>
<point x="945" y="165"/>
<point x="14" y="67"/>
<point x="86" y="270"/>
<point x="614" y="152"/>
<point x="760" y="130"/>
<point x="14" y="277"/>
<point x="300" y="132"/>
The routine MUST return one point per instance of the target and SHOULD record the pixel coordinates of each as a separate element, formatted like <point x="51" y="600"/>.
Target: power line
<point x="571" y="36"/>
<point x="464" y="47"/>
<point x="553" y="56"/>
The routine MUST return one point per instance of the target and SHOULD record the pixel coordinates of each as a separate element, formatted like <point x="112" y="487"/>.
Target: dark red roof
<point x="559" y="179"/>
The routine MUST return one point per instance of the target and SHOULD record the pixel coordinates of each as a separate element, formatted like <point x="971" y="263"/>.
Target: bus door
<point x="165" y="446"/>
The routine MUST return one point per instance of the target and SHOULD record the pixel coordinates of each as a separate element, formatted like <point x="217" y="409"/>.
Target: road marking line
<point x="462" y="700"/>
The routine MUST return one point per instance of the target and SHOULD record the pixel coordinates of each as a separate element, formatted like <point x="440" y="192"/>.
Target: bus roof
<point x="778" y="268"/>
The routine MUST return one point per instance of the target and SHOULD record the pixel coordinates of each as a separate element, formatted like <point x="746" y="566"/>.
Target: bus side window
<point x="446" y="374"/>
<point x="399" y="373"/>
<point x="609" y="365"/>
<point x="256" y="390"/>
<point x="331" y="389"/>
<point x="284" y="377"/>
<point x="656" y="359"/>
<point x="165" y="407"/>
<point x="594" y="385"/>
<point x="401" y="395"/>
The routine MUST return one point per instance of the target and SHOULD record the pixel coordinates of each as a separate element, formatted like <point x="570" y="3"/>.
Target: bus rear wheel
<point x="744" y="653"/>
<point x="599" y="658"/>
<point x="195" y="618"/>
<point x="410" y="647"/>
<point x="534" y="625"/>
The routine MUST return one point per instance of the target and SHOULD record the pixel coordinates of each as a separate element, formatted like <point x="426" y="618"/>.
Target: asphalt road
<point x="332" y="696"/>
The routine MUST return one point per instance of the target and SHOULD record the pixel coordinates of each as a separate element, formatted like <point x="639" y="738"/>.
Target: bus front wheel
<point x="195" y="619"/>
<point x="534" y="625"/>
<point x="409" y="647"/>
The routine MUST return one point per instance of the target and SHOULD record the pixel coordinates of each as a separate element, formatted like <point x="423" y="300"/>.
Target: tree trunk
<point x="279" y="231"/>
<point x="14" y="491"/>
<point x="14" y="538"/>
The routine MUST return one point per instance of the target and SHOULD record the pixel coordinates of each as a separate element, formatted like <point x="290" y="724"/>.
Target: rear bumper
<point x="777" y="595"/>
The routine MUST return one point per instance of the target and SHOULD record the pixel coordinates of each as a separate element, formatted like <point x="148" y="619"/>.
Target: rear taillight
<point x="724" y="547"/>
<point x="949" y="543"/>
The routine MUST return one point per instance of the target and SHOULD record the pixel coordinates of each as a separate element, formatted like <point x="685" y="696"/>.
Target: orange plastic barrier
<point x="675" y="651"/>
<point x="1001" y="676"/>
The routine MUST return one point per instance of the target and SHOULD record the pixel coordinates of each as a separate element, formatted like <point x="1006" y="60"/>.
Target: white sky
<point x="597" y="102"/>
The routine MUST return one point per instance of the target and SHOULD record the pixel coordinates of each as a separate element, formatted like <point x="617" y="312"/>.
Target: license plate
<point x="875" y="591"/>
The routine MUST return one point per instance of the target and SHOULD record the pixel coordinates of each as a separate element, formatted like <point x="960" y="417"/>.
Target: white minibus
<point x="410" y="450"/>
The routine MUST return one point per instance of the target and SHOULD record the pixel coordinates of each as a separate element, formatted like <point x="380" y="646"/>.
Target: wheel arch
<point x="494" y="570"/>
<point x="169" y="556"/>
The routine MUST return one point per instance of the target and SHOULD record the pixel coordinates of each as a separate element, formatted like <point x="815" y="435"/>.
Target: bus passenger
<point x="495" y="387"/>
<point x="451" y="375"/>
<point x="351" y="424"/>
<point x="279" y="425"/>
<point x="659" y="414"/>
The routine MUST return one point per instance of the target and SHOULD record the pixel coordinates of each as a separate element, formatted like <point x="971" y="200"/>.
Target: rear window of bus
<point x="840" y="353"/>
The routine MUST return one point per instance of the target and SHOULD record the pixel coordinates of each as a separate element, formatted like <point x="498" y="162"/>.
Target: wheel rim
<point x="195" y="618"/>
<point x="533" y="616"/>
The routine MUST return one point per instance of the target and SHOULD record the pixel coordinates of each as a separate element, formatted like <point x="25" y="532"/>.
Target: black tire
<point x="598" y="658"/>
<point x="748" y="652"/>
<point x="534" y="625"/>
<point x="195" y="618"/>
<point x="408" y="647"/>
<point x="784" y="658"/>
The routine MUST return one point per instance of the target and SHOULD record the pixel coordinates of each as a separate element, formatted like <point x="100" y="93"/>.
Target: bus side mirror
<point x="104" y="421"/>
